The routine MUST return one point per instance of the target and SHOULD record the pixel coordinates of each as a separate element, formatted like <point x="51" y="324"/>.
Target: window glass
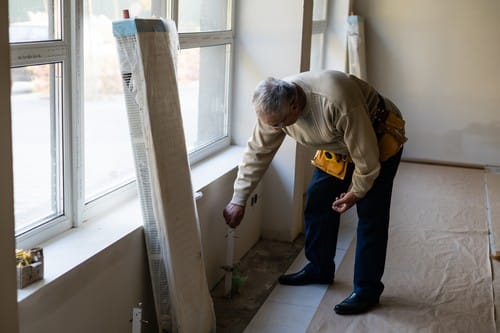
<point x="203" y="80"/>
<point x="108" y="153"/>
<point x="34" y="20"/>
<point x="40" y="123"/>
<point x="204" y="15"/>
<point x="36" y="144"/>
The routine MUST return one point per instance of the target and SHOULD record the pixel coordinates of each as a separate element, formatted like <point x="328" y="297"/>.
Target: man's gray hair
<point x="271" y="95"/>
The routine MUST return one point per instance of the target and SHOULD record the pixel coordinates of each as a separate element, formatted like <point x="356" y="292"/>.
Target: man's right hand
<point x="233" y="214"/>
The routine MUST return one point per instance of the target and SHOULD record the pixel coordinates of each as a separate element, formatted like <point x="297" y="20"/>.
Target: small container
<point x="32" y="272"/>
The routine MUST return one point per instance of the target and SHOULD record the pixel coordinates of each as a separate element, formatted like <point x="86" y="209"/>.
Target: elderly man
<point x="359" y="137"/>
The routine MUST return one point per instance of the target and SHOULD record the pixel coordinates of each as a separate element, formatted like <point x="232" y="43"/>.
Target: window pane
<point x="204" y="15"/>
<point x="319" y="10"/>
<point x="36" y="144"/>
<point x="34" y="20"/>
<point x="203" y="75"/>
<point x="108" y="154"/>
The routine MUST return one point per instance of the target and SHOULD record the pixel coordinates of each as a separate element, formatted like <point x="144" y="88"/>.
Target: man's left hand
<point x="344" y="202"/>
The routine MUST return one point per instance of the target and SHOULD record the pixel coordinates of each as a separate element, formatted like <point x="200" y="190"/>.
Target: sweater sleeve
<point x="261" y="148"/>
<point x="361" y="142"/>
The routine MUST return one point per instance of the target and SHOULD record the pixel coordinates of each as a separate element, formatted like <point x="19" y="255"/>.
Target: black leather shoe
<point x="302" y="278"/>
<point x="355" y="304"/>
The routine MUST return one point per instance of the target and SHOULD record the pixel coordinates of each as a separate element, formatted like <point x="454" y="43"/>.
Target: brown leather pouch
<point x="392" y="136"/>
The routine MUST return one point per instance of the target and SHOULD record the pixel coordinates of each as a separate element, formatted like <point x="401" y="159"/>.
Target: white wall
<point x="438" y="60"/>
<point x="8" y="303"/>
<point x="214" y="230"/>
<point x="97" y="296"/>
<point x="268" y="42"/>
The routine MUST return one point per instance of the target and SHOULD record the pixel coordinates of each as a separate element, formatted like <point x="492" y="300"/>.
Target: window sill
<point x="74" y="247"/>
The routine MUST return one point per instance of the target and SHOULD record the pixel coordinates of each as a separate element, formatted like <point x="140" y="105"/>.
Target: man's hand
<point x="344" y="202"/>
<point x="233" y="214"/>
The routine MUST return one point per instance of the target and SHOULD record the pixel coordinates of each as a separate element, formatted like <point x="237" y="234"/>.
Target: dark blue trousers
<point x="322" y="225"/>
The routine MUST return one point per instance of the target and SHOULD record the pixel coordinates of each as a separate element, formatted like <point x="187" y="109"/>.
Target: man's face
<point x="288" y="116"/>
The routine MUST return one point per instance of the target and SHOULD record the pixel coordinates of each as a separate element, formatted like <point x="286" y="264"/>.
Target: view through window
<point x="71" y="147"/>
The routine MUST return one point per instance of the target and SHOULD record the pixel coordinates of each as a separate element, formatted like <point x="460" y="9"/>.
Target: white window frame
<point x="40" y="53"/>
<point x="69" y="52"/>
<point x="207" y="39"/>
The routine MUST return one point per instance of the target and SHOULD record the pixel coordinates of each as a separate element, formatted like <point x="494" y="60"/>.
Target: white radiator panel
<point x="147" y="50"/>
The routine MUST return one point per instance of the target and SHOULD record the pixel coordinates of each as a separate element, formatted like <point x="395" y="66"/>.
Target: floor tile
<point x="310" y="295"/>
<point x="347" y="229"/>
<point x="274" y="317"/>
<point x="339" y="256"/>
<point x="291" y="308"/>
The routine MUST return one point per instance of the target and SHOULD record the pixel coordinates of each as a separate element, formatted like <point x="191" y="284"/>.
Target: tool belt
<point x="331" y="163"/>
<point x="389" y="128"/>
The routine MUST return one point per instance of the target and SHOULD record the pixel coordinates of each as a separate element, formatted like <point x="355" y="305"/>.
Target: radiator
<point x="147" y="51"/>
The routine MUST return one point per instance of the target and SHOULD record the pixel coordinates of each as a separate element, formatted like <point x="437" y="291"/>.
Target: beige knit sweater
<point x="335" y="118"/>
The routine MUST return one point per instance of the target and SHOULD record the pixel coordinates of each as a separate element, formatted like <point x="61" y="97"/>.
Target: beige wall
<point x="438" y="60"/>
<point x="8" y="303"/>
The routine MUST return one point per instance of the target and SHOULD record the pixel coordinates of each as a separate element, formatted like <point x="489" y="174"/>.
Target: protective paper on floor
<point x="496" y="288"/>
<point x="493" y="192"/>
<point x="173" y="241"/>
<point x="438" y="274"/>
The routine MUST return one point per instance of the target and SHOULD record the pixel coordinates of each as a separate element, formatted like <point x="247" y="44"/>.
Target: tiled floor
<point x="259" y="270"/>
<point x="291" y="308"/>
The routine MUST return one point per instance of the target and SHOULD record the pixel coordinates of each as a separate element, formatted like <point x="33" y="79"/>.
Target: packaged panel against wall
<point x="147" y="51"/>
<point x="356" y="46"/>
